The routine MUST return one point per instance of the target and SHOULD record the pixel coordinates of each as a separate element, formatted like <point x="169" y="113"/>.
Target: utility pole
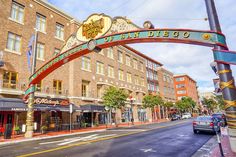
<point x="226" y="78"/>
<point x="30" y="112"/>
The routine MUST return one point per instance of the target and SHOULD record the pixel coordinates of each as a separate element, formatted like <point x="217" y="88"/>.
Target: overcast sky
<point x="178" y="58"/>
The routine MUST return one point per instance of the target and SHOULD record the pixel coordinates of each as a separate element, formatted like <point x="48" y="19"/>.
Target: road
<point x="172" y="139"/>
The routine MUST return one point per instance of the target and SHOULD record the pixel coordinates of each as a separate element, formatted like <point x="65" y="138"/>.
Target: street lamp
<point x="132" y="113"/>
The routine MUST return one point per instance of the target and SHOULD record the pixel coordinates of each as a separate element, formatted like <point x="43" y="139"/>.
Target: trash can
<point x="8" y="131"/>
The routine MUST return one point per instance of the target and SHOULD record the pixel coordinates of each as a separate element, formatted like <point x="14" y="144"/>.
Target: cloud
<point x="178" y="58"/>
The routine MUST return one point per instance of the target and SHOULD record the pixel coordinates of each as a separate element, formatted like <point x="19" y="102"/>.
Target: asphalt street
<point x="172" y="139"/>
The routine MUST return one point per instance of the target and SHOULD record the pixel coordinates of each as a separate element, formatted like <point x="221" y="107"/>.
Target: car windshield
<point x="205" y="118"/>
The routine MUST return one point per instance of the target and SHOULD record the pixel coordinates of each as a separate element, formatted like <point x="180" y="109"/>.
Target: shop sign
<point x="50" y="101"/>
<point x="94" y="27"/>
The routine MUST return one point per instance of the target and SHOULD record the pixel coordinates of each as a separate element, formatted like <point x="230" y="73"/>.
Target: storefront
<point x="51" y="112"/>
<point x="92" y="114"/>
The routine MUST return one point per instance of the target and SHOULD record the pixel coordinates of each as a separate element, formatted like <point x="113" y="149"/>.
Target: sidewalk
<point x="52" y="134"/>
<point x="211" y="148"/>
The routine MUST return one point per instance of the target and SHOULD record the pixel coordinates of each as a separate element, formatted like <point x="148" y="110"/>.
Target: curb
<point x="206" y="149"/>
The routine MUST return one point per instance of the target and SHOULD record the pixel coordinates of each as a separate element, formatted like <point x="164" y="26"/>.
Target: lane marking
<point x="148" y="150"/>
<point x="129" y="130"/>
<point x="77" y="139"/>
<point x="93" y="141"/>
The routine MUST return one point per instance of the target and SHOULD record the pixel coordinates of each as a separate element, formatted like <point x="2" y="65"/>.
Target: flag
<point x="29" y="51"/>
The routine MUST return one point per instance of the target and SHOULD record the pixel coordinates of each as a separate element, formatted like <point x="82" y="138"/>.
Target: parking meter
<point x="216" y="124"/>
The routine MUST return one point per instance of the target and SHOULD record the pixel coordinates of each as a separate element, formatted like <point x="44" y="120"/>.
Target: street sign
<point x="224" y="131"/>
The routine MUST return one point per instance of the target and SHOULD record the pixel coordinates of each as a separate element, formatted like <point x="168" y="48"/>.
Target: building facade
<point x="185" y="86"/>
<point x="80" y="82"/>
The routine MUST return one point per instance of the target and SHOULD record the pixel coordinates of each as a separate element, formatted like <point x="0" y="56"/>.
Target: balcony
<point x="88" y="96"/>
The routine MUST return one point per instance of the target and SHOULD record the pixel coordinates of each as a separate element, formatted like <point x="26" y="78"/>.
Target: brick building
<point x="81" y="81"/>
<point x="185" y="86"/>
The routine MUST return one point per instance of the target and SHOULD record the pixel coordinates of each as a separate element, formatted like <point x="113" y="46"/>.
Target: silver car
<point x="205" y="123"/>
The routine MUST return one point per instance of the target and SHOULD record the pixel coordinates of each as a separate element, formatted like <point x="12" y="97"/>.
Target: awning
<point x="92" y="108"/>
<point x="14" y="104"/>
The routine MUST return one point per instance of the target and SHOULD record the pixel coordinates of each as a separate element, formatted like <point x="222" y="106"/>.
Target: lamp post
<point x="226" y="78"/>
<point x="132" y="113"/>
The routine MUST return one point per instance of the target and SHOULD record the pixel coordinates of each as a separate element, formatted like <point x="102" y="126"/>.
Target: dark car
<point x="205" y="123"/>
<point x="175" y="117"/>
<point x="221" y="117"/>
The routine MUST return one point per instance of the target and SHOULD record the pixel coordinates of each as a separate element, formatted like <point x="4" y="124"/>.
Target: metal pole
<point x="70" y="121"/>
<point x="226" y="78"/>
<point x="30" y="112"/>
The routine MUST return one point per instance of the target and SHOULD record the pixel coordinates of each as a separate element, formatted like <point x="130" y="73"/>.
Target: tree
<point x="150" y="101"/>
<point x="185" y="104"/>
<point x="114" y="98"/>
<point x="220" y="101"/>
<point x="168" y="104"/>
<point x="210" y="104"/>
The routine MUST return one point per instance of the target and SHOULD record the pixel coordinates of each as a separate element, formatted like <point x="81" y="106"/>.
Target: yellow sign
<point x="94" y="27"/>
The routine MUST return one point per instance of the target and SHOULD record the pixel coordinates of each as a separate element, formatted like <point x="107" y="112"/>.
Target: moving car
<point x="221" y="117"/>
<point x="205" y="123"/>
<point x="186" y="116"/>
<point x="175" y="117"/>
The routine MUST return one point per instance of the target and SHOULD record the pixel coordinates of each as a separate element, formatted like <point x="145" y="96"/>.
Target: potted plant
<point x="17" y="130"/>
<point x="44" y="129"/>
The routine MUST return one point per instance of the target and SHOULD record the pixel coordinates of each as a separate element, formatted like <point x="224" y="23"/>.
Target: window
<point x="110" y="71"/>
<point x="155" y="76"/>
<point x="141" y="66"/>
<point x="110" y="53"/>
<point x="149" y="64"/>
<point x="10" y="79"/>
<point x="120" y="56"/>
<point x="59" y="31"/>
<point x="17" y="12"/>
<point x="180" y="86"/>
<point x="100" y="68"/>
<point x="38" y="87"/>
<point x="56" y="52"/>
<point x="40" y="51"/>
<point x="86" y="62"/>
<point x="179" y="79"/>
<point x="85" y="88"/>
<point x="128" y="62"/>
<point x="121" y="75"/>
<point x="135" y="63"/>
<point x="13" y="42"/>
<point x="99" y="91"/>
<point x="136" y="80"/>
<point x="150" y="75"/>
<point x="142" y="81"/>
<point x="181" y="91"/>
<point x="41" y="23"/>
<point x="57" y="86"/>
<point x="129" y="77"/>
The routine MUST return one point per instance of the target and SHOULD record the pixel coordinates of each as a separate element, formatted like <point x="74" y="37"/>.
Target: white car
<point x="186" y="116"/>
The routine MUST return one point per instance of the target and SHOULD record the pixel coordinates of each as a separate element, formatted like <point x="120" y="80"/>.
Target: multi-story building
<point x="167" y="91"/>
<point x="185" y="86"/>
<point x="81" y="81"/>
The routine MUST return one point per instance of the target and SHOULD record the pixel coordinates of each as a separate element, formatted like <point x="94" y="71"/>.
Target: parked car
<point x="221" y="117"/>
<point x="175" y="117"/>
<point x="186" y="116"/>
<point x="205" y="123"/>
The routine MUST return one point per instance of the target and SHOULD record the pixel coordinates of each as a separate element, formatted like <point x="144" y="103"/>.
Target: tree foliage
<point x="185" y="104"/>
<point x="150" y="101"/>
<point x="114" y="97"/>
<point x="210" y="103"/>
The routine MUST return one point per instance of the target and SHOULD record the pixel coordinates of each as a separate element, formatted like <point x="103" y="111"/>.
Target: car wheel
<point x="195" y="131"/>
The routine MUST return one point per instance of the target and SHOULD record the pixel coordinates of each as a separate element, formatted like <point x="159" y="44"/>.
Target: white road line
<point x="78" y="139"/>
<point x="129" y="130"/>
